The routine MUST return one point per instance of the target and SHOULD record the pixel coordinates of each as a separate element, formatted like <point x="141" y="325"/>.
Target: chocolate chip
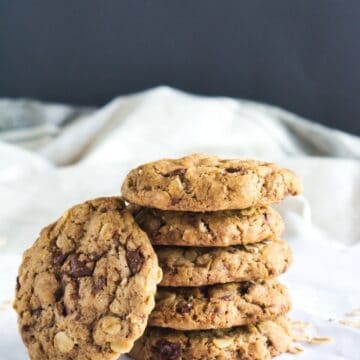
<point x="25" y="328"/>
<point x="192" y="220"/>
<point x="35" y="312"/>
<point x="176" y="172"/>
<point x="75" y="294"/>
<point x="17" y="284"/>
<point x="175" y="200"/>
<point x="78" y="268"/>
<point x="166" y="350"/>
<point x="169" y="269"/>
<point x="135" y="260"/>
<point x="266" y="216"/>
<point x="269" y="343"/>
<point x="58" y="294"/>
<point x="98" y="284"/>
<point x="232" y="170"/>
<point x="183" y="308"/>
<point x="244" y="287"/>
<point x="62" y="309"/>
<point x="59" y="258"/>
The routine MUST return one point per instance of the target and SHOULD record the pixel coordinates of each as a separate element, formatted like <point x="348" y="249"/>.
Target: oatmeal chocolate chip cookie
<point x="202" y="183"/>
<point x="219" y="228"/>
<point x="185" y="266"/>
<point x="86" y="287"/>
<point x="253" y="342"/>
<point x="219" y="306"/>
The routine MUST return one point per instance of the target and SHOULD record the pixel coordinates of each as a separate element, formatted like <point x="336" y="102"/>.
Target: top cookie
<point x="202" y="183"/>
<point x="86" y="287"/>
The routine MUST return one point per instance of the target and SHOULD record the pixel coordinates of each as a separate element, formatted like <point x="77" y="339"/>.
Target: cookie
<point x="253" y="342"/>
<point x="219" y="228"/>
<point x="86" y="287"/>
<point x="184" y="266"/>
<point x="219" y="306"/>
<point x="202" y="183"/>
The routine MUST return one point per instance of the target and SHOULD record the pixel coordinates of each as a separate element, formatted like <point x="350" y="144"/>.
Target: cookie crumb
<point x="6" y="304"/>
<point x="295" y="350"/>
<point x="320" y="340"/>
<point x="298" y="324"/>
<point x="353" y="313"/>
<point x="355" y="323"/>
<point x="354" y="320"/>
<point x="299" y="329"/>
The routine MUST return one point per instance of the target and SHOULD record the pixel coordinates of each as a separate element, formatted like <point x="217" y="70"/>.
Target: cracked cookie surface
<point x="86" y="287"/>
<point x="253" y="342"/>
<point x="196" y="266"/>
<point x="203" y="183"/>
<point x="219" y="306"/>
<point x="219" y="228"/>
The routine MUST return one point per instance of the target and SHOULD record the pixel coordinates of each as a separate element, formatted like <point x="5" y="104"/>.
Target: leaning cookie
<point x="256" y="342"/>
<point x="86" y="287"/>
<point x="185" y="266"/>
<point x="219" y="228"/>
<point x="219" y="306"/>
<point x="203" y="183"/>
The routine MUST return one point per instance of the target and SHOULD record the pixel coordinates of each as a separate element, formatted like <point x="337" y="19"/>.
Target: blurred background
<point x="300" y="55"/>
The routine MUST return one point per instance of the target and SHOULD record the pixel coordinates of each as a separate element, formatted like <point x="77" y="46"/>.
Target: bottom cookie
<point x="254" y="342"/>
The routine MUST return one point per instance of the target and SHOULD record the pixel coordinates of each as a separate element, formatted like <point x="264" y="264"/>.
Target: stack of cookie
<point x="217" y="241"/>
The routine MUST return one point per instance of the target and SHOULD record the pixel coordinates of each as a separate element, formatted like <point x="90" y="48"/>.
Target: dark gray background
<point x="303" y="55"/>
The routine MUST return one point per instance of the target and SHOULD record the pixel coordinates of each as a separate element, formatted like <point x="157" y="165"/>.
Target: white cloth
<point x="102" y="146"/>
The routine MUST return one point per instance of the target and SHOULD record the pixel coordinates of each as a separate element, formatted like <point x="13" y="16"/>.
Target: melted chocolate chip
<point x="17" y="284"/>
<point x="59" y="258"/>
<point x="135" y="260"/>
<point x="176" y="172"/>
<point x="78" y="268"/>
<point x="266" y="216"/>
<point x="232" y="170"/>
<point x="244" y="287"/>
<point x="98" y="284"/>
<point x="183" y="308"/>
<point x="166" y="350"/>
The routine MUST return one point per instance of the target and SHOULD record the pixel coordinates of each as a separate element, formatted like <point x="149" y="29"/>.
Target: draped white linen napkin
<point x="98" y="148"/>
